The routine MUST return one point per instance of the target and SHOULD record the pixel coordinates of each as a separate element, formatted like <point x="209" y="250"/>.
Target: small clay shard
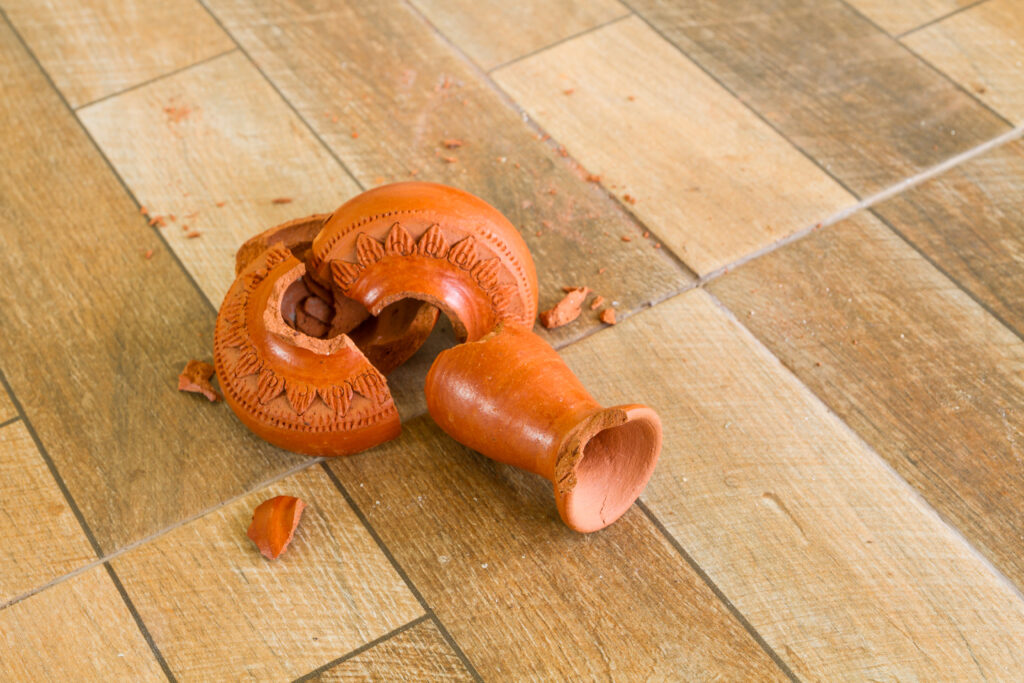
<point x="608" y="316"/>
<point x="196" y="378"/>
<point x="597" y="302"/>
<point x="318" y="308"/>
<point x="281" y="200"/>
<point x="629" y="198"/>
<point x="452" y="143"/>
<point x="566" y="310"/>
<point x="626" y="238"/>
<point x="273" y="524"/>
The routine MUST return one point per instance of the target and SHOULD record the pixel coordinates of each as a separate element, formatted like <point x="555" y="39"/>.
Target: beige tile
<point x="93" y="48"/>
<point x="78" y="630"/>
<point x="707" y="176"/>
<point x="493" y="32"/>
<point x="982" y="49"/>
<point x="900" y="16"/>
<point x="830" y="556"/>
<point x="43" y="538"/>
<point x="216" y="133"/>
<point x="218" y="609"/>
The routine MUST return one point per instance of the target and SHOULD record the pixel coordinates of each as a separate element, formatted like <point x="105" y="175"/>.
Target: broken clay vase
<point x="511" y="397"/>
<point x="429" y="243"/>
<point x="299" y="392"/>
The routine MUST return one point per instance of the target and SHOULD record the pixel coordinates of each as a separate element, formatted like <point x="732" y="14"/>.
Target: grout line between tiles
<point x="150" y="81"/>
<point x="733" y="610"/>
<point x="363" y="648"/>
<point x="401" y="572"/>
<point x="871" y="200"/>
<point x="930" y="22"/>
<point x="270" y="82"/>
<point x="10" y="421"/>
<point x="909" y="488"/>
<point x="545" y="47"/>
<point x="163" y="532"/>
<point x="942" y="74"/>
<point x="138" y="621"/>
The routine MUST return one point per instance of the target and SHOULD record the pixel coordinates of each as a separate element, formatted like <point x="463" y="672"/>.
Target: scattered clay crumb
<point x="196" y="379"/>
<point x="158" y="221"/>
<point x="552" y="191"/>
<point x="608" y="316"/>
<point x="597" y="302"/>
<point x="449" y="160"/>
<point x="979" y="88"/>
<point x="562" y="151"/>
<point x="646" y="234"/>
<point x="413" y="172"/>
<point x="568" y="91"/>
<point x="220" y="204"/>
<point x="334" y="118"/>
<point x="629" y="198"/>
<point x="626" y="238"/>
<point x="566" y="310"/>
<point x="354" y="135"/>
<point x="631" y="98"/>
<point x="451" y="143"/>
<point x="143" y="210"/>
<point x="281" y="200"/>
<point x="817" y="364"/>
<point x="538" y="233"/>
<point x="593" y="178"/>
<point x="177" y="114"/>
<point x="657" y="245"/>
<point x="193" y="234"/>
<point x="148" y="254"/>
<point x="600" y="271"/>
<point x="273" y="524"/>
<point x="379" y="180"/>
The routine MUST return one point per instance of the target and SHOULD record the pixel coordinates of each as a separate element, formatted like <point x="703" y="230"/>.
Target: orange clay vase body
<point x="511" y="397"/>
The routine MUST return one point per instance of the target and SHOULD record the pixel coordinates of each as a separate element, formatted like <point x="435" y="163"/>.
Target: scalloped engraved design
<point x="334" y="399"/>
<point x="432" y="243"/>
<point x="437" y="244"/>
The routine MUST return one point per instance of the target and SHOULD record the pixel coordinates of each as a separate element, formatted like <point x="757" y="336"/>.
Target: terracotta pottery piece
<point x="273" y="524"/>
<point x="511" y="397"/>
<point x="429" y="243"/>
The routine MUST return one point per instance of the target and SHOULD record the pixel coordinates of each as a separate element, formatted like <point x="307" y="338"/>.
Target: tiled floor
<point x="821" y="294"/>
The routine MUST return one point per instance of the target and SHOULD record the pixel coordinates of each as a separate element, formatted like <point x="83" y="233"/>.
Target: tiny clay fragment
<point x="273" y="524"/>
<point x="196" y="378"/>
<point x="608" y="316"/>
<point x="566" y="310"/>
<point x="597" y="302"/>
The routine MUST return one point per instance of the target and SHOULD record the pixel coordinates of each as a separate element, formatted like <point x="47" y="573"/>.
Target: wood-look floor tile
<point x="43" y="538"/>
<point x="522" y="594"/>
<point x="78" y="630"/>
<point x="217" y="609"/>
<point x="400" y="90"/>
<point x="981" y="48"/>
<point x="906" y="15"/>
<point x="494" y="32"/>
<point x="928" y="378"/>
<point x="709" y="177"/>
<point x="968" y="222"/>
<point x="7" y="409"/>
<point x="419" y="653"/>
<point x="94" y="334"/>
<point x="831" y="556"/>
<point x="94" y="48"/>
<point x="216" y="134"/>
<point x="853" y="98"/>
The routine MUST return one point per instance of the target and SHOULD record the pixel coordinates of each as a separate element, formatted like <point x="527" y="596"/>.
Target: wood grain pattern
<point x="524" y="596"/>
<point x="419" y="653"/>
<point x="94" y="334"/>
<point x="927" y="377"/>
<point x="981" y="48"/>
<point x="968" y="222"/>
<point x="7" y="409"/>
<point x="94" y="48"/>
<point x="403" y="91"/>
<point x="218" y="151"/>
<point x="492" y="32"/>
<point x="830" y="555"/>
<point x="43" y="539"/>
<point x="854" y="99"/>
<point x="709" y="177"/>
<point x="906" y="15"/>
<point x="78" y="630"/>
<point x="218" y="609"/>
